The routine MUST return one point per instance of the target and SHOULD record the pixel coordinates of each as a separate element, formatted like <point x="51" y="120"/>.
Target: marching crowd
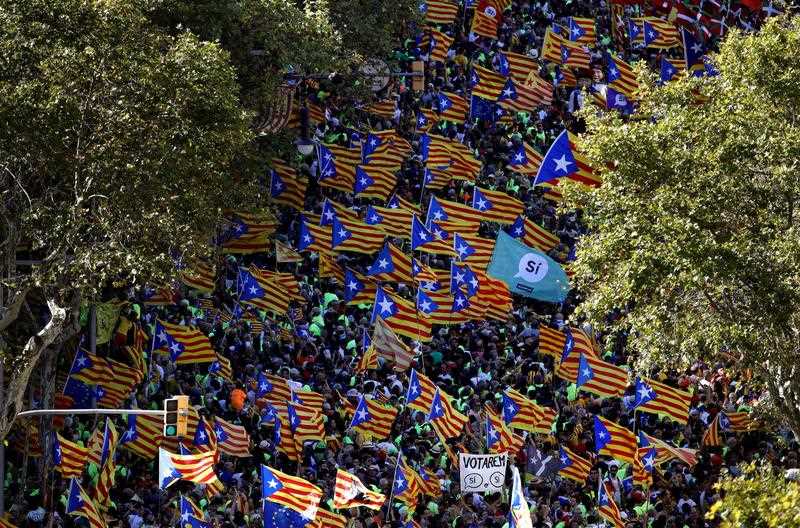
<point x="473" y="361"/>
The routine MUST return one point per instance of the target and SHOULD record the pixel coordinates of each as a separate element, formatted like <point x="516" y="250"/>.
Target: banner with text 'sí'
<point x="527" y="271"/>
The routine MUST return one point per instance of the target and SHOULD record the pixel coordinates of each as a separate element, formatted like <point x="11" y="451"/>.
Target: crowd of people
<point x="319" y="341"/>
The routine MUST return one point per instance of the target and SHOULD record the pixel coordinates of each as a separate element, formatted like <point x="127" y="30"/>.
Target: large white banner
<point x="482" y="473"/>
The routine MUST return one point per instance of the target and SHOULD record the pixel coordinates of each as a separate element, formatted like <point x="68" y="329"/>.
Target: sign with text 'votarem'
<point x="482" y="473"/>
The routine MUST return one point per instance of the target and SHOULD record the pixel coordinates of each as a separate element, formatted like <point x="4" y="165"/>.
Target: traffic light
<point x="418" y="81"/>
<point x="176" y="416"/>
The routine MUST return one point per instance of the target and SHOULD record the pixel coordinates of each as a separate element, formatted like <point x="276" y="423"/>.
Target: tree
<point x="270" y="38"/>
<point x="759" y="498"/>
<point x="117" y="156"/>
<point x="694" y="237"/>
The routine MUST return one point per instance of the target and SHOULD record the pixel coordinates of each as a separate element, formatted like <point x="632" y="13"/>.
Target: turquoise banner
<point x="527" y="271"/>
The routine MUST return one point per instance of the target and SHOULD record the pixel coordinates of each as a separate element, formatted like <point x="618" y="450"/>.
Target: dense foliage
<point x="694" y="233"/>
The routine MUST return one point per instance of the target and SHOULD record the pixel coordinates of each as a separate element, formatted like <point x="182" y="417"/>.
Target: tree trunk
<point x="784" y="390"/>
<point x="19" y="369"/>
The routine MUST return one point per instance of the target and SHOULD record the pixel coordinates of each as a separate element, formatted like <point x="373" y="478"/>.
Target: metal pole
<point x="2" y="448"/>
<point x="116" y="412"/>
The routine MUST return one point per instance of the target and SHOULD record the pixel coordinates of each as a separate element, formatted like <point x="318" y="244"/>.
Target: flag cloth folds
<point x="532" y="234"/>
<point x="232" y="439"/>
<point x="599" y="377"/>
<point x="406" y="487"/>
<point x="563" y="160"/>
<point x="614" y="440"/>
<point x="607" y="507"/>
<point x="496" y="206"/>
<point x="350" y="492"/>
<point x="294" y="493"/>
<point x="284" y="253"/>
<point x="286" y="187"/>
<point x="392" y="222"/>
<point x="261" y="291"/>
<point x="327" y="519"/>
<point x="143" y="435"/>
<point x="355" y="236"/>
<point x="401" y="316"/>
<point x="485" y="83"/>
<point x="390" y="347"/>
<point x="519" y="515"/>
<point x="186" y="345"/>
<point x="499" y="438"/>
<point x="373" y="418"/>
<point x="108" y="466"/>
<point x="516" y="65"/>
<point x="80" y="504"/>
<point x="358" y="289"/>
<point x="391" y="265"/>
<point x="519" y="412"/>
<point x="668" y="401"/>
<point x="451" y="107"/>
<point x="439" y="11"/>
<point x="69" y="458"/>
<point x="444" y="417"/>
<point x="421" y="391"/>
<point x="527" y="271"/>
<point x="573" y="466"/>
<point x="194" y="467"/>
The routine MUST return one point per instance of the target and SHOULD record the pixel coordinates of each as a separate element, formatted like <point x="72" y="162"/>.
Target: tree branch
<point x="11" y="311"/>
<point x="26" y="362"/>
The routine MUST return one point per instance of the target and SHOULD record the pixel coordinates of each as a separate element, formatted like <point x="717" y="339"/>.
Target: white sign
<point x="482" y="473"/>
<point x="532" y="267"/>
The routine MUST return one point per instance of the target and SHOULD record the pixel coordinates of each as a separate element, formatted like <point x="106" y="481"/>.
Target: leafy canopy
<point x="694" y="232"/>
<point x="117" y="141"/>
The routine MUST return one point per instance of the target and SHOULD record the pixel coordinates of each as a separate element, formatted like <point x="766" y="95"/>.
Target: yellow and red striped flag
<point x="200" y="277"/>
<point x="522" y="97"/>
<point x="401" y="316"/>
<point x="516" y="65"/>
<point x="444" y="417"/>
<point x="314" y="237"/>
<point x="573" y="466"/>
<point x="668" y="401"/>
<point x="80" y="504"/>
<point x="232" y="439"/>
<point x="350" y="492"/>
<point x="194" y="467"/>
<point x="499" y="437"/>
<point x="262" y="291"/>
<point x="307" y="397"/>
<point x="451" y="107"/>
<point x="551" y="341"/>
<point x="293" y="492"/>
<point x="439" y="11"/>
<point x="286" y="187"/>
<point x="355" y="236"/>
<point x="532" y="234"/>
<point x="607" y="508"/>
<point x="496" y="206"/>
<point x="581" y="31"/>
<point x="486" y="83"/>
<point x="245" y="233"/>
<point x="374" y="181"/>
<point x="406" y="483"/>
<point x="373" y="419"/>
<point x="430" y="483"/>
<point x="69" y="458"/>
<point x="438" y="44"/>
<point x="484" y="25"/>
<point x="327" y="519"/>
<point x="519" y="412"/>
<point x="143" y="435"/>
<point x="390" y="265"/>
<point x="575" y="344"/>
<point x="392" y="222"/>
<point x="390" y="347"/>
<point x="186" y="345"/>
<point x="420" y="392"/>
<point x="358" y="289"/>
<point x="620" y="76"/>
<point x="440" y="210"/>
<point x="599" y="377"/>
<point x="614" y="440"/>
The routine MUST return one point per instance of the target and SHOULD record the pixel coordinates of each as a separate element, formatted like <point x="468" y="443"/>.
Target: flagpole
<point x="152" y="359"/>
<point x="391" y="494"/>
